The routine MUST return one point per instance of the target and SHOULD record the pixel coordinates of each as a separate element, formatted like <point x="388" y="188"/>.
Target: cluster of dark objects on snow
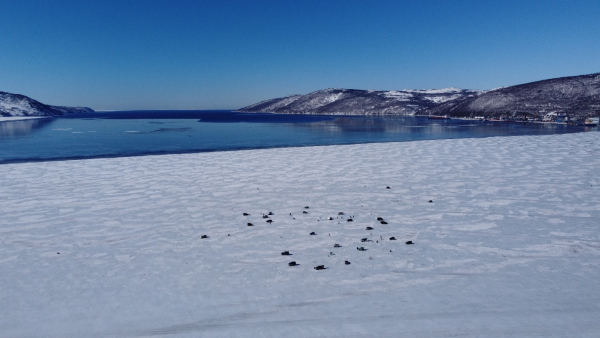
<point x="336" y="245"/>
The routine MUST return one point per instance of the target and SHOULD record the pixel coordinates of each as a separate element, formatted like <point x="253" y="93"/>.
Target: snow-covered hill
<point x="21" y="105"/>
<point x="360" y="102"/>
<point x="574" y="95"/>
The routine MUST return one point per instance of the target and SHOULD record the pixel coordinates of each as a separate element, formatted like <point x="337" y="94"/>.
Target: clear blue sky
<point x="227" y="54"/>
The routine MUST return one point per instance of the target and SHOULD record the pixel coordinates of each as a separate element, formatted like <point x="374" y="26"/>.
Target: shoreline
<point x="187" y="152"/>
<point x="21" y="118"/>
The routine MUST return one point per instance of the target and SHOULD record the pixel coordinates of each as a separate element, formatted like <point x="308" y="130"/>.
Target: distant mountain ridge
<point x="360" y="102"/>
<point x="574" y="95"/>
<point x="15" y="105"/>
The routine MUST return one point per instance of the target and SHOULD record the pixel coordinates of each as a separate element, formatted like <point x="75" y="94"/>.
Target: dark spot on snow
<point x="320" y="267"/>
<point x="204" y="236"/>
<point x="337" y="246"/>
<point x="250" y="224"/>
<point x="347" y="262"/>
<point x="246" y="214"/>
<point x="286" y="253"/>
<point x="383" y="222"/>
<point x="392" y="238"/>
<point x="292" y="263"/>
<point x="409" y="242"/>
<point x="369" y="228"/>
<point x="269" y="221"/>
<point x="313" y="233"/>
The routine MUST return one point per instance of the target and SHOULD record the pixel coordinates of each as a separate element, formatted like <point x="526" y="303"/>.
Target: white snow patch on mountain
<point x="15" y="107"/>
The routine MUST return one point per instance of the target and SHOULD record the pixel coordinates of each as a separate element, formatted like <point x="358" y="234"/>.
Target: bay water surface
<point x="134" y="133"/>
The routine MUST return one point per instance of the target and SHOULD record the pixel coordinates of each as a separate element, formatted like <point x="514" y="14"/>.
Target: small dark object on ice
<point x="347" y="262"/>
<point x="337" y="245"/>
<point x="269" y="221"/>
<point x="369" y="228"/>
<point x="246" y="214"/>
<point x="265" y="216"/>
<point x="292" y="263"/>
<point x="364" y="239"/>
<point x="388" y="187"/>
<point x="319" y="267"/>
<point x="331" y="253"/>
<point x="58" y="253"/>
<point x="270" y="213"/>
<point x="383" y="222"/>
<point x="430" y="201"/>
<point x="285" y="253"/>
<point x="228" y="234"/>
<point x="204" y="236"/>
<point x="304" y="212"/>
<point x="306" y="207"/>
<point x="379" y="219"/>
<point x="409" y="242"/>
<point x="330" y="218"/>
<point x="340" y="213"/>
<point x="349" y="220"/>
<point x="250" y="224"/>
<point x="392" y="238"/>
<point x="361" y="248"/>
<point x="313" y="233"/>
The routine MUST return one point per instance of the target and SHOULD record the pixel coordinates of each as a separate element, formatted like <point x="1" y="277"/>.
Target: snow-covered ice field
<point x="509" y="246"/>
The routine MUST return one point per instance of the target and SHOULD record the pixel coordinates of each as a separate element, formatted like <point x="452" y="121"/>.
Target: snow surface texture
<point x="508" y="247"/>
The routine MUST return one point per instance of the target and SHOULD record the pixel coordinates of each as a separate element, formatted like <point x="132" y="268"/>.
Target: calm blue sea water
<point x="112" y="134"/>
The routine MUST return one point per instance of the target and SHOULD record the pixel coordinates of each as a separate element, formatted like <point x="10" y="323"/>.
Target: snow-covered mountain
<point x="360" y="102"/>
<point x="574" y="95"/>
<point x="21" y="105"/>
